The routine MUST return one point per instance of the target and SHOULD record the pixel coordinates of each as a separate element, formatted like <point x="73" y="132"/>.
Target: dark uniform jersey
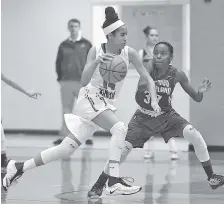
<point x="145" y="122"/>
<point x="164" y="88"/>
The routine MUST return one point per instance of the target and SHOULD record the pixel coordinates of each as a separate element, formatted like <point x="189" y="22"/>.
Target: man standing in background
<point x="70" y="62"/>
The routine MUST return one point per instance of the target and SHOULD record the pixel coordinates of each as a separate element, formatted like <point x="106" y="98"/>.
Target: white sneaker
<point x="149" y="155"/>
<point x="121" y="188"/>
<point x="174" y="156"/>
<point x="14" y="171"/>
<point x="216" y="181"/>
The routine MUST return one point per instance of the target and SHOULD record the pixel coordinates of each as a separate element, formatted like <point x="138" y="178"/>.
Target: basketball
<point x="113" y="71"/>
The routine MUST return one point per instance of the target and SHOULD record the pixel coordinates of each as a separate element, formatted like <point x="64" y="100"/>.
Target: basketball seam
<point x="104" y="72"/>
<point x="118" y="64"/>
<point x="116" y="77"/>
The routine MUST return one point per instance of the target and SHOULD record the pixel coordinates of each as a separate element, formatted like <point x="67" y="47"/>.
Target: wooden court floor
<point x="68" y="181"/>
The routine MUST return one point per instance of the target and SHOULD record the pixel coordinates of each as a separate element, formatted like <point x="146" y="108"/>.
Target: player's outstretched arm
<point x="18" y="88"/>
<point x="91" y="64"/>
<point x="135" y="60"/>
<point x="197" y="95"/>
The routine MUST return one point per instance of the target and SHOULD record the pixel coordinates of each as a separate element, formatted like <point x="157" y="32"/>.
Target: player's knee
<point x="67" y="147"/>
<point x="119" y="132"/>
<point x="119" y="129"/>
<point x="190" y="133"/>
<point x="194" y="136"/>
<point x="128" y="145"/>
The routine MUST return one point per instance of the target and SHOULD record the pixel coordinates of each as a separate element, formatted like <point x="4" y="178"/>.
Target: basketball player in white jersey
<point x="146" y="55"/>
<point x="3" y="146"/>
<point x="95" y="109"/>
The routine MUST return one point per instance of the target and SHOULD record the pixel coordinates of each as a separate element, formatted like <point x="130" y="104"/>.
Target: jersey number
<point x="147" y="98"/>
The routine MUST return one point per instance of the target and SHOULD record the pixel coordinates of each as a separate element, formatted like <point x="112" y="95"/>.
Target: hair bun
<point x="146" y="30"/>
<point x="111" y="15"/>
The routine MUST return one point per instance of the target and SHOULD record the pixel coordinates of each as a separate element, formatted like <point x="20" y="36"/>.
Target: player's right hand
<point x="33" y="95"/>
<point x="155" y="106"/>
<point x="104" y="58"/>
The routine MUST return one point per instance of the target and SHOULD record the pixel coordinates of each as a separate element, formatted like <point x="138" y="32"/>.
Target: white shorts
<point x="81" y="128"/>
<point x="90" y="103"/>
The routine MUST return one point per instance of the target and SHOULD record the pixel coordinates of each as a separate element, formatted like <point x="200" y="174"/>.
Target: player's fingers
<point x="156" y="108"/>
<point x="204" y="81"/>
<point x="107" y="58"/>
<point x="102" y="61"/>
<point x="109" y="55"/>
<point x="209" y="83"/>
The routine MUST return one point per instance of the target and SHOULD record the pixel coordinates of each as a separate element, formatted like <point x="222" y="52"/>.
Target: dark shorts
<point x="142" y="127"/>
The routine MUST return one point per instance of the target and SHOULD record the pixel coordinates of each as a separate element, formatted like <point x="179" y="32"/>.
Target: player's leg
<point x="173" y="149"/>
<point x="172" y="122"/>
<point x="108" y="121"/>
<point x="201" y="151"/>
<point x="135" y="138"/>
<point x="97" y="188"/>
<point x="149" y="146"/>
<point x="3" y="154"/>
<point x="179" y="126"/>
<point x="80" y="131"/>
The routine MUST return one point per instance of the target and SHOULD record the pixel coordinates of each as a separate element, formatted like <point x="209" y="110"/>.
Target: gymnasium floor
<point x="68" y="181"/>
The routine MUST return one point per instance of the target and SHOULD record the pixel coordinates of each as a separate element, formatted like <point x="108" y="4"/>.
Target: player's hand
<point x="156" y="106"/>
<point x="104" y="58"/>
<point x="204" y="86"/>
<point x="33" y="95"/>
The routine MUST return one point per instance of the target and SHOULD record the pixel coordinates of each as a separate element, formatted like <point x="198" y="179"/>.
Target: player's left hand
<point x="33" y="95"/>
<point x="204" y="86"/>
<point x="155" y="106"/>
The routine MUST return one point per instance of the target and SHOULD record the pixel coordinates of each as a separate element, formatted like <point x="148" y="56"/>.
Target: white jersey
<point x="109" y="91"/>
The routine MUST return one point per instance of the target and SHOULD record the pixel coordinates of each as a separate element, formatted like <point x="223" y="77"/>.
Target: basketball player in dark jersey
<point x="146" y="55"/>
<point x="146" y="123"/>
